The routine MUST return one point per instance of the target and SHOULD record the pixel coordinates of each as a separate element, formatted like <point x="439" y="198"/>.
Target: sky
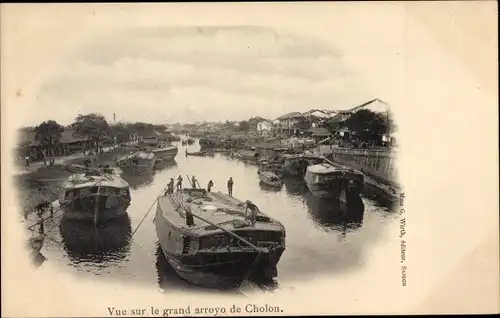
<point x="162" y="71"/>
<point x="203" y="73"/>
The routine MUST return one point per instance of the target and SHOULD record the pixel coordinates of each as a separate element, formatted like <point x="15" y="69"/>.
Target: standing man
<point x="210" y="185"/>
<point x="230" y="184"/>
<point x="251" y="211"/>
<point x="193" y="182"/>
<point x="170" y="187"/>
<point x="179" y="183"/>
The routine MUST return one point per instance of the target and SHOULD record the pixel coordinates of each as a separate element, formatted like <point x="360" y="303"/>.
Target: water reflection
<point x="138" y="181"/>
<point x="268" y="188"/>
<point x="332" y="214"/>
<point x="35" y="245"/>
<point x="108" y="242"/>
<point x="162" y="165"/>
<point x="295" y="186"/>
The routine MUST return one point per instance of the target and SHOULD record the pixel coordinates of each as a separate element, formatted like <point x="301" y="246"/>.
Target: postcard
<point x="249" y="159"/>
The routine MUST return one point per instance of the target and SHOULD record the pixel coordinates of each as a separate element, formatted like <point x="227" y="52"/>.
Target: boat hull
<point x="337" y="189"/>
<point x="198" y="154"/>
<point x="221" y="265"/>
<point x="273" y="183"/>
<point x="166" y="153"/>
<point x="297" y="167"/>
<point x="142" y="168"/>
<point x="224" y="270"/>
<point x="104" y="214"/>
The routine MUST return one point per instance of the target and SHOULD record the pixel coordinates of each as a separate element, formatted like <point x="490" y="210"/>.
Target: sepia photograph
<point x="234" y="158"/>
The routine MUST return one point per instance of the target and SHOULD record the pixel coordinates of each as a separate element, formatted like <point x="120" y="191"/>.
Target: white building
<point x="264" y="125"/>
<point x="317" y="113"/>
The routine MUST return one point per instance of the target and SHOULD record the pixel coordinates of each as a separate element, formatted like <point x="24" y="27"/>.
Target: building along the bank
<point x="264" y="127"/>
<point x="73" y="142"/>
<point x="319" y="133"/>
<point x="150" y="137"/>
<point x="344" y="135"/>
<point x="287" y="122"/>
<point x="27" y="146"/>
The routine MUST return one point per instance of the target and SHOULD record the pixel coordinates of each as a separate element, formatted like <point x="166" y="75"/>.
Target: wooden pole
<point x="229" y="232"/>
<point x="96" y="210"/>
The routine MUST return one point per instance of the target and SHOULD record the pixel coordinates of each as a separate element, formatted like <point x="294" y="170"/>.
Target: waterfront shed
<point x="319" y="133"/>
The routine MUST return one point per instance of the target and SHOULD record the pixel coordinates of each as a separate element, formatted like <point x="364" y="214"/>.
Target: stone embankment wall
<point x="380" y="164"/>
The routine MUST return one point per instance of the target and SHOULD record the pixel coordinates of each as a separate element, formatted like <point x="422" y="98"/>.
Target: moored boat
<point x="215" y="240"/>
<point x="162" y="150"/>
<point x="246" y="155"/>
<point x="296" y="165"/>
<point x="330" y="181"/>
<point x="97" y="195"/>
<point x="137" y="163"/>
<point x="270" y="178"/>
<point x="165" y="151"/>
<point x="159" y="146"/>
<point x="199" y="153"/>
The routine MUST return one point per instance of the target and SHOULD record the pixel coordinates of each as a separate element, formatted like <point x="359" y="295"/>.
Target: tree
<point x="368" y="125"/>
<point x="48" y="134"/>
<point x="93" y="126"/>
<point x="121" y="131"/>
<point x="160" y="128"/>
<point x="244" y="125"/>
<point x="229" y="125"/>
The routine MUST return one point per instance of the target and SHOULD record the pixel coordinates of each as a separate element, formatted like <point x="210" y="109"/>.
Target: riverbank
<point x="39" y="182"/>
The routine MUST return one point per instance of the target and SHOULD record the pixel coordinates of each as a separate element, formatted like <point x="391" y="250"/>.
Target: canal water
<point x="320" y="238"/>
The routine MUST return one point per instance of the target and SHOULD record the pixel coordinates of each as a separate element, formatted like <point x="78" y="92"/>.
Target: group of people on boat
<point x="195" y="185"/>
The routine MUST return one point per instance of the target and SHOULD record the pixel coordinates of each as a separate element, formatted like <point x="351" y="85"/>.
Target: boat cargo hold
<point x="214" y="240"/>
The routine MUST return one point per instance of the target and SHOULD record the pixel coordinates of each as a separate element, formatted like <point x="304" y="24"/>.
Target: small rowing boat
<point x="270" y="178"/>
<point x="199" y="153"/>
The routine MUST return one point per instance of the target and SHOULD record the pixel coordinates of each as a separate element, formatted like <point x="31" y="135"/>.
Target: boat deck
<point x="216" y="207"/>
<point x="81" y="180"/>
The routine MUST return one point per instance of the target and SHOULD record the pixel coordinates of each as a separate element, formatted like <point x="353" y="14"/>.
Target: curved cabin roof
<point x="82" y="180"/>
<point x="323" y="168"/>
<point x="138" y="155"/>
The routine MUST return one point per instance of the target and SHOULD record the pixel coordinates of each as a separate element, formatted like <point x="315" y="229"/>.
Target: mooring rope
<point x="149" y="210"/>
